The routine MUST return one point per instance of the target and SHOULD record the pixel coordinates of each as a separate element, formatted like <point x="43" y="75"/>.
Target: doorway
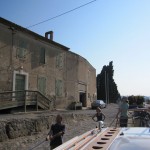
<point x="82" y="98"/>
<point x="20" y="86"/>
<point x="20" y="83"/>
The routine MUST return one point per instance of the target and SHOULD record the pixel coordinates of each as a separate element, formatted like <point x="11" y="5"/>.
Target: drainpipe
<point x="11" y="54"/>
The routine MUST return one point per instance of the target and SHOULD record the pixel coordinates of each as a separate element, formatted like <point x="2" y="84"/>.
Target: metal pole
<point x="106" y="86"/>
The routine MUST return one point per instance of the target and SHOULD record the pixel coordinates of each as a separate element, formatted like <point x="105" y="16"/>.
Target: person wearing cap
<point x="123" y="112"/>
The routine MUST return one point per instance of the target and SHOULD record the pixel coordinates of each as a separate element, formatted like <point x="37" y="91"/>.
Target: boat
<point x="112" y="138"/>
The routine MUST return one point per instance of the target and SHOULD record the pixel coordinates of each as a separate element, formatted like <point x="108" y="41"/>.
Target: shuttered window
<point x="42" y="85"/>
<point x="60" y="60"/>
<point x="22" y="48"/>
<point x="42" y="55"/>
<point x="59" y="87"/>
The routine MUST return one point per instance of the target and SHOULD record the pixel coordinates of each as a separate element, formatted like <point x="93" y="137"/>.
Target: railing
<point x="43" y="101"/>
<point x="24" y="98"/>
<point x="139" y="117"/>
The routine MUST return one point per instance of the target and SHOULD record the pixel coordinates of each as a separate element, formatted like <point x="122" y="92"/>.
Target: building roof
<point x="25" y="30"/>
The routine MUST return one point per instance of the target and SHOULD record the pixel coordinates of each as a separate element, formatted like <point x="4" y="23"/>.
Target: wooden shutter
<point x="42" y="85"/>
<point x="60" y="60"/>
<point x="21" y="51"/>
<point x="42" y="55"/>
<point x="59" y="87"/>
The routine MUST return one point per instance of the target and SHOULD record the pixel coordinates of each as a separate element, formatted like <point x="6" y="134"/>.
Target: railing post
<point x="25" y="102"/>
<point x="37" y="101"/>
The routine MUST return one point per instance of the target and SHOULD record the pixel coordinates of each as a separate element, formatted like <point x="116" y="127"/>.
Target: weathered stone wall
<point x="23" y="127"/>
<point x="5" y="59"/>
<point x="3" y="134"/>
<point x="14" y="128"/>
<point x="81" y="77"/>
<point x="60" y="64"/>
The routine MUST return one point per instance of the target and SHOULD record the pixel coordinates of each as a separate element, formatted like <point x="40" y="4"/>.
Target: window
<point x="42" y="56"/>
<point x="59" y="60"/>
<point x="59" y="87"/>
<point x="42" y="85"/>
<point x="22" y="47"/>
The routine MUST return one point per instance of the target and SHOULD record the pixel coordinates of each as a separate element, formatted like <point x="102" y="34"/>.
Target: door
<point x="20" y="86"/>
<point x="82" y="97"/>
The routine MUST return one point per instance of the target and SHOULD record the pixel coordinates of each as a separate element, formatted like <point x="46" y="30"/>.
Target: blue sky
<point x="103" y="31"/>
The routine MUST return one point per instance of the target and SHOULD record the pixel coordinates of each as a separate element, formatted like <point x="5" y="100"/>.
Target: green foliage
<point x="136" y="100"/>
<point x="105" y="82"/>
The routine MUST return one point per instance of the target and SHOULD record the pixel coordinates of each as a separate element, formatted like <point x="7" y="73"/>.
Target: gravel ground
<point x="81" y="123"/>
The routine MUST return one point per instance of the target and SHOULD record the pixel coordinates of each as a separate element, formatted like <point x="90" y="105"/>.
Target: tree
<point x="106" y="86"/>
<point x="136" y="100"/>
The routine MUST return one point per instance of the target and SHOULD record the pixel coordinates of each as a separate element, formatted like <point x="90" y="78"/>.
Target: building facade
<point x="29" y="61"/>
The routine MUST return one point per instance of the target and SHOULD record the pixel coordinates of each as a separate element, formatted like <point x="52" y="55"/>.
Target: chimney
<point x="49" y="33"/>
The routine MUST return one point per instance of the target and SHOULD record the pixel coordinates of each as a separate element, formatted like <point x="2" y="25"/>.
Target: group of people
<point x="58" y="129"/>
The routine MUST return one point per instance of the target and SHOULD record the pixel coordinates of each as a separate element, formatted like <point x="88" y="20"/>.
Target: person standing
<point x="56" y="133"/>
<point x="123" y="112"/>
<point x="99" y="115"/>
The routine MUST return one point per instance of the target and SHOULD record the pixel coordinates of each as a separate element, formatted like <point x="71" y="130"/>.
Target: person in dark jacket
<point x="56" y="133"/>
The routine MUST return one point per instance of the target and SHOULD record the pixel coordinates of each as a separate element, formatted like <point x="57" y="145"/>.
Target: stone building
<point x="29" y="61"/>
